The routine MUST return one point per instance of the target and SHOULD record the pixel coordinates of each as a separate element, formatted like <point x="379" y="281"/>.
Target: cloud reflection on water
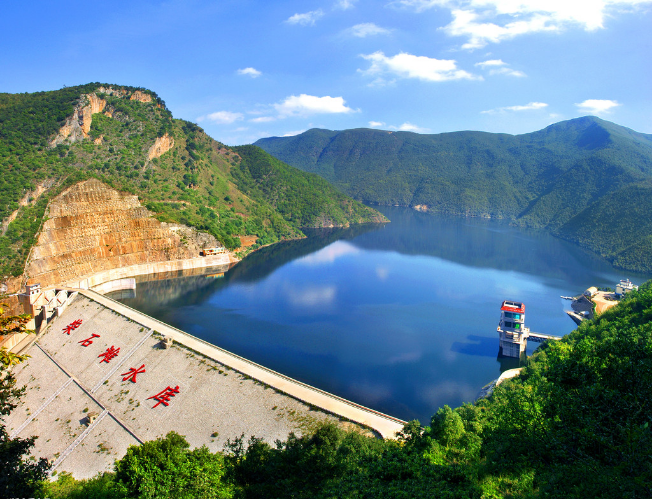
<point x="311" y="296"/>
<point x="328" y="254"/>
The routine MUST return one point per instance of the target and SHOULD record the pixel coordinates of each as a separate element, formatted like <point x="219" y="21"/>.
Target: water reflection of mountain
<point x="481" y="243"/>
<point x="166" y="288"/>
<point x="170" y="290"/>
<point x="266" y="260"/>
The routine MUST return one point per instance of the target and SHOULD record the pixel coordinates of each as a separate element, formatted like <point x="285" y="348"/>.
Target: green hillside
<point x="556" y="178"/>
<point x="199" y="182"/>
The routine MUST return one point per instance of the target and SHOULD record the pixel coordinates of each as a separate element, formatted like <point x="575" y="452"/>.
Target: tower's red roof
<point x="513" y="306"/>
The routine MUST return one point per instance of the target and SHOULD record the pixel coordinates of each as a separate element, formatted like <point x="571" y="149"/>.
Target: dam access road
<point x="87" y="410"/>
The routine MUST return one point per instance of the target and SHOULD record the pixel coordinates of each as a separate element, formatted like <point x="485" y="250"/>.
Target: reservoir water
<point x="399" y="317"/>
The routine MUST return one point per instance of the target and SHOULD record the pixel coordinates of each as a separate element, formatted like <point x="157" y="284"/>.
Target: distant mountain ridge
<point x="586" y="179"/>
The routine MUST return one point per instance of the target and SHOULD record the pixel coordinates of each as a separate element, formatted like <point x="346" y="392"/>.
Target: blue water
<point x="399" y="317"/>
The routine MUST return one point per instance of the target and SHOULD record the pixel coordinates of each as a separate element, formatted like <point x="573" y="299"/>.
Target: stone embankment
<point x="95" y="234"/>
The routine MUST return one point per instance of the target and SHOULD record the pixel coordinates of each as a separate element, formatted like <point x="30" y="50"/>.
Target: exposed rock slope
<point x="92" y="228"/>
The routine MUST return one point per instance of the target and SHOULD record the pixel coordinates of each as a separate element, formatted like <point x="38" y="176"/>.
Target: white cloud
<point x="465" y="23"/>
<point x="222" y="117"/>
<point x="490" y="63"/>
<point x="301" y="105"/>
<point x="367" y="29"/>
<point x="420" y="67"/>
<point x="307" y="19"/>
<point x="345" y="4"/>
<point x="263" y="119"/>
<point x="409" y="127"/>
<point x="254" y="73"/>
<point x="532" y="106"/>
<point x="498" y="67"/>
<point x="419" y="5"/>
<point x="493" y="21"/>
<point x="508" y="72"/>
<point x="379" y="81"/>
<point x="295" y="132"/>
<point x="597" y="106"/>
<point x="376" y="124"/>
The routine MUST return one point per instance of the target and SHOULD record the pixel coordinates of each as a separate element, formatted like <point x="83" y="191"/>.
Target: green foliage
<point x="165" y="468"/>
<point x="195" y="183"/>
<point x="101" y="486"/>
<point x="618" y="226"/>
<point x="585" y="179"/>
<point x="303" y="199"/>
<point x="19" y="477"/>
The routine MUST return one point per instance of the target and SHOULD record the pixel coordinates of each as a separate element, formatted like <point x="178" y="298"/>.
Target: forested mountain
<point x="126" y="137"/>
<point x="583" y="179"/>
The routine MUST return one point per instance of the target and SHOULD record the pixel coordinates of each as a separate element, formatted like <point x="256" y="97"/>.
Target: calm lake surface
<point x="399" y="317"/>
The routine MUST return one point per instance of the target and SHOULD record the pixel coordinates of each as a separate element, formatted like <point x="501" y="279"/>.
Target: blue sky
<point x="246" y="69"/>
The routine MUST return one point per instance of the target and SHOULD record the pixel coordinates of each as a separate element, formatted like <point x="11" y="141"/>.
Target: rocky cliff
<point x="141" y="96"/>
<point x="92" y="228"/>
<point x="160" y="147"/>
<point x="78" y="125"/>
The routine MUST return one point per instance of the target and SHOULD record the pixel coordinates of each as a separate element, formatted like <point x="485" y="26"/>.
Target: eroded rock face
<point x="118" y="92"/>
<point x="141" y="96"/>
<point x="78" y="125"/>
<point x="160" y="147"/>
<point x="91" y="228"/>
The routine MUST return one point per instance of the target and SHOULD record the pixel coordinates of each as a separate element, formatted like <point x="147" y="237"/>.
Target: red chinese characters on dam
<point x="72" y="326"/>
<point x="88" y="341"/>
<point x="164" y="396"/>
<point x="110" y="353"/>
<point x="131" y="374"/>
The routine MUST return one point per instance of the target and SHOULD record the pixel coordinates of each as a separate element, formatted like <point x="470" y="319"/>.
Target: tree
<point x="13" y="324"/>
<point x="165" y="468"/>
<point x="19" y="477"/>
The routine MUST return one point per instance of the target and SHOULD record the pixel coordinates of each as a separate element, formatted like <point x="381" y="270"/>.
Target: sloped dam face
<point x="399" y="317"/>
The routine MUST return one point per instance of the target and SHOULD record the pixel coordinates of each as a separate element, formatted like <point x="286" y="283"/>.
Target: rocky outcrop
<point x="93" y="228"/>
<point x="117" y="92"/>
<point x="141" y="96"/>
<point x="78" y="125"/>
<point x="160" y="147"/>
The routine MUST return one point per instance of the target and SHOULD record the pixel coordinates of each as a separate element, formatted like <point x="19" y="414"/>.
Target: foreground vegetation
<point x="586" y="180"/>
<point x="575" y="424"/>
<point x="200" y="182"/>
